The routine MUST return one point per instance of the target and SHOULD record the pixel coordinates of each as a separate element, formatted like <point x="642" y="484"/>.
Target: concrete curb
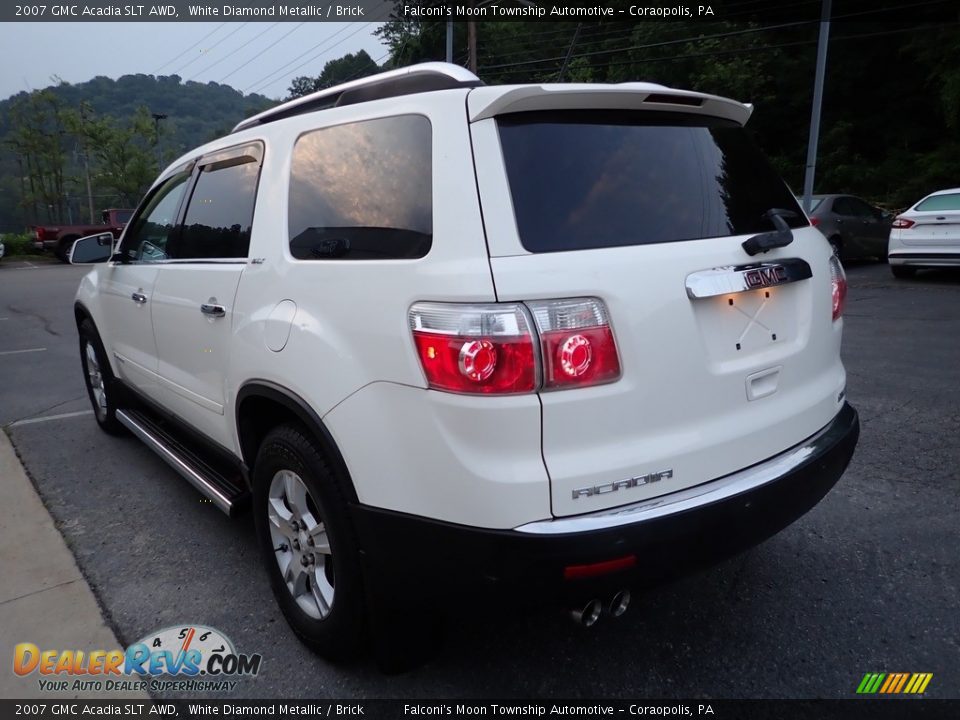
<point x="44" y="598"/>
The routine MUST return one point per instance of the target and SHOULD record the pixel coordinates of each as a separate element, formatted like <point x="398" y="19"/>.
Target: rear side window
<point x="844" y="206"/>
<point x="218" y="218"/>
<point x="940" y="202"/>
<point x="583" y="180"/>
<point x="363" y="191"/>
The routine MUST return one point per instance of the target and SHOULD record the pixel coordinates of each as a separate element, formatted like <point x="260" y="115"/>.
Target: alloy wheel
<point x="300" y="542"/>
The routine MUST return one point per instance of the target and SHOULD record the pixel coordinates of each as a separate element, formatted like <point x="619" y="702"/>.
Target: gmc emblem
<point x="765" y="276"/>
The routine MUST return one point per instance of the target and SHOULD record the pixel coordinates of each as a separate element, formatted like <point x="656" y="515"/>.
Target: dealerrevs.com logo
<point x="179" y="658"/>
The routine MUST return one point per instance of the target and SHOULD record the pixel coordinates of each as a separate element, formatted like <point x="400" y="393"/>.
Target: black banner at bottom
<point x="854" y="709"/>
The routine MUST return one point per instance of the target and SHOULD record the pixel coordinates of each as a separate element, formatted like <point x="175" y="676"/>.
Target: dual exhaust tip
<point x="589" y="614"/>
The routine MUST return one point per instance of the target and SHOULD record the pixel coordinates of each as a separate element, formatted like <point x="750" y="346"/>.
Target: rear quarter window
<point x="363" y="191"/>
<point x="940" y="202"/>
<point x="583" y="180"/>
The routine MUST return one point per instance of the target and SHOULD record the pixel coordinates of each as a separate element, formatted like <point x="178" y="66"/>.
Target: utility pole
<point x="157" y="117"/>
<point x="566" y="60"/>
<point x="86" y="160"/>
<point x="449" y="41"/>
<point x="23" y="193"/>
<point x="472" y="46"/>
<point x="817" y="102"/>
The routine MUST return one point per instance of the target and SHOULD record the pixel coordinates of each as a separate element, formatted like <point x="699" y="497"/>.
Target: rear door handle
<point x="139" y="298"/>
<point x="213" y="310"/>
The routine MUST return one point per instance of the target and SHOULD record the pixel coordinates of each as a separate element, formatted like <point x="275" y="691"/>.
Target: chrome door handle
<point x="139" y="298"/>
<point x="213" y="310"/>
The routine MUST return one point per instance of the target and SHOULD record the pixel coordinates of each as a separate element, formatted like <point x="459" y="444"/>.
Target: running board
<point x="215" y="483"/>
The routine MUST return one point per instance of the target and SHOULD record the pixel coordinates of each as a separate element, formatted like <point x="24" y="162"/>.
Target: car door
<point x="193" y="299"/>
<point x="874" y="229"/>
<point x="127" y="285"/>
<point x="849" y="225"/>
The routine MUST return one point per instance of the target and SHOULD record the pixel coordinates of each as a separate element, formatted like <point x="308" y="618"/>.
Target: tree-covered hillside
<point x="49" y="138"/>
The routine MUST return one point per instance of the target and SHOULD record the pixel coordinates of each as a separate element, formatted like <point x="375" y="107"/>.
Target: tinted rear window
<point x="584" y="180"/>
<point x="940" y="202"/>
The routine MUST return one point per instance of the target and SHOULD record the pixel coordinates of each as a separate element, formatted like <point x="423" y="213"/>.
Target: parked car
<point x="3" y="250"/>
<point x="447" y="339"/>
<point x="927" y="234"/>
<point x="854" y="228"/>
<point x="59" y="238"/>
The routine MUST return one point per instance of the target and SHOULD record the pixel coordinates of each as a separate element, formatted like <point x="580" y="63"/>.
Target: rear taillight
<point x="493" y="348"/>
<point x="903" y="223"/>
<point x="576" y="342"/>
<point x="487" y="349"/>
<point x="815" y="221"/>
<point x="838" y="286"/>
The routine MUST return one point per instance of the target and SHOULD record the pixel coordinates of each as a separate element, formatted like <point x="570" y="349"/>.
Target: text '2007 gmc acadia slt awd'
<point x="541" y="338"/>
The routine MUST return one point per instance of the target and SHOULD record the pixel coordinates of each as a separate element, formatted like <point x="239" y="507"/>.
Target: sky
<point x="259" y="57"/>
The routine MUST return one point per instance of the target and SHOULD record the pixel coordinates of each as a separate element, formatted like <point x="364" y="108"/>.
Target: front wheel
<point x="101" y="387"/>
<point x="308" y="544"/>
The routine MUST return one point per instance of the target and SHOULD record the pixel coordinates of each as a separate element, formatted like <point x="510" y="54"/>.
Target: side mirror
<point x="92" y="249"/>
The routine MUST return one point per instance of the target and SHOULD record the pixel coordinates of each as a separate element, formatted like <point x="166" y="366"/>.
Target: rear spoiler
<point x="486" y="102"/>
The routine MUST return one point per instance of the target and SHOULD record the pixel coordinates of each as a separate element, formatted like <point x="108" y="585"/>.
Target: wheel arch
<point x="80" y="313"/>
<point x="262" y="405"/>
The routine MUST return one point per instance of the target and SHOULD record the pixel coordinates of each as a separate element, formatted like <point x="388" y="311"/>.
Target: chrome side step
<point x="223" y="492"/>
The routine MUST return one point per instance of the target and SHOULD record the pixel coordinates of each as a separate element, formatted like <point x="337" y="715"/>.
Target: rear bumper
<point x="666" y="537"/>
<point x="926" y="258"/>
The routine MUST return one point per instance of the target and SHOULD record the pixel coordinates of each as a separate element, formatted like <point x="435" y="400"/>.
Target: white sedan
<point x="926" y="235"/>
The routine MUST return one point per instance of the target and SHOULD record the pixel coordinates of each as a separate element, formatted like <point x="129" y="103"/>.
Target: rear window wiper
<point x="781" y="237"/>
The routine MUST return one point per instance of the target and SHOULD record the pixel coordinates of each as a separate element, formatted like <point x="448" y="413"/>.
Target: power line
<point x="524" y="45"/>
<point x="232" y="52"/>
<point x="327" y="50"/>
<point x="269" y="76"/>
<point x="177" y="57"/>
<point x="658" y="44"/>
<point x="746" y="31"/>
<point x="297" y="27"/>
<point x="717" y="53"/>
<point x="197" y="57"/>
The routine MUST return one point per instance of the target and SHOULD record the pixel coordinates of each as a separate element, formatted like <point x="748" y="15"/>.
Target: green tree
<point x="349" y="67"/>
<point x="122" y="152"/>
<point x="37" y="139"/>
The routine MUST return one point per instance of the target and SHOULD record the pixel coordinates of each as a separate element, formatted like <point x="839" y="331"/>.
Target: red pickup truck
<point x="59" y="238"/>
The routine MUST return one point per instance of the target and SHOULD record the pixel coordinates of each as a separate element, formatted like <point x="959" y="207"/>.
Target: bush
<point x="19" y="244"/>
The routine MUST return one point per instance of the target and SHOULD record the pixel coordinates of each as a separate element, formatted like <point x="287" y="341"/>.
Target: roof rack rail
<point x="423" y="77"/>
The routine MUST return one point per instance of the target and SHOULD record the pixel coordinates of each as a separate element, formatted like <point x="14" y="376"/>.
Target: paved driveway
<point x="867" y="581"/>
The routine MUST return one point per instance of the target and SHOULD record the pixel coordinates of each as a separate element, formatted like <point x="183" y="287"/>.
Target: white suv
<point x="553" y="339"/>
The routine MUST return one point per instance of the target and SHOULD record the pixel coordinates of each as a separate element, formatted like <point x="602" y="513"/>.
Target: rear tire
<point x="102" y="387"/>
<point x="903" y="271"/>
<point x="308" y="543"/>
<point x="63" y="249"/>
<point x="837" y="245"/>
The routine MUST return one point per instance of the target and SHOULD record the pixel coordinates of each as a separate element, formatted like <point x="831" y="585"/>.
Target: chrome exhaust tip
<point x="619" y="603"/>
<point x="588" y="615"/>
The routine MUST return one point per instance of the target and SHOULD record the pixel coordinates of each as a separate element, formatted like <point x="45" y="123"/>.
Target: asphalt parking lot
<point x="868" y="581"/>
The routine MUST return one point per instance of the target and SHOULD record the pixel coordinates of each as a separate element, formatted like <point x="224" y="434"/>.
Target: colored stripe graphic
<point x="903" y="680"/>
<point x="894" y="683"/>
